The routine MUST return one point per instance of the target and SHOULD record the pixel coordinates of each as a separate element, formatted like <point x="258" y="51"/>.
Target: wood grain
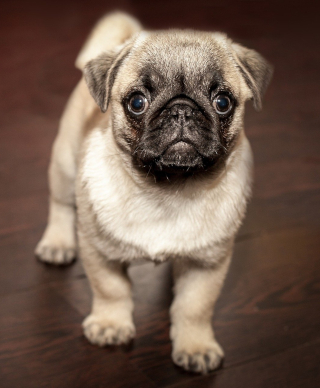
<point x="267" y="317"/>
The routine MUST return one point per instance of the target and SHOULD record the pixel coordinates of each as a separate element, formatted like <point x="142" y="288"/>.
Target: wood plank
<point x="42" y="346"/>
<point x="295" y="368"/>
<point x="19" y="268"/>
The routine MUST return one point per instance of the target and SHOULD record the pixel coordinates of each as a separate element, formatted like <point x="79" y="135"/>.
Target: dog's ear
<point x="100" y="74"/>
<point x="256" y="71"/>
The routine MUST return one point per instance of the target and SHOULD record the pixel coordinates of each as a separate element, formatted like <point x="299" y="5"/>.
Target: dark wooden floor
<point x="268" y="316"/>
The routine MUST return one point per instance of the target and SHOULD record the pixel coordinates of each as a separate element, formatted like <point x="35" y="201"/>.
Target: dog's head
<point x="177" y="97"/>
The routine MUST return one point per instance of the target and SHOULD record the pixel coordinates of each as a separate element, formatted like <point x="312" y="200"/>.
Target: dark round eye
<point x="138" y="104"/>
<point x="222" y="104"/>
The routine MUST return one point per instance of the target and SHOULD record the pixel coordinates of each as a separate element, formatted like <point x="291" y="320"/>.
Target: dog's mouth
<point x="181" y="157"/>
<point x="178" y="157"/>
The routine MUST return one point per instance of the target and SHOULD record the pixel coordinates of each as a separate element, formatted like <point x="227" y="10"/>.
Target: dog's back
<point x="110" y="31"/>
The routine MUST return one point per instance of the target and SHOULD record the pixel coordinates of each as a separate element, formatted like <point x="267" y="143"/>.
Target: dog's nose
<point x="181" y="111"/>
<point x="181" y="107"/>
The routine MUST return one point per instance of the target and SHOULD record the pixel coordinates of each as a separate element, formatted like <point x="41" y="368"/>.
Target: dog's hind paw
<point x="55" y="255"/>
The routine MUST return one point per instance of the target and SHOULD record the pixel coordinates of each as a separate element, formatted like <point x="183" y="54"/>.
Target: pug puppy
<point x="151" y="162"/>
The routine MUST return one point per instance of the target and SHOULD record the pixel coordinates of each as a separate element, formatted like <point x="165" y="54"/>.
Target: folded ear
<point x="100" y="74"/>
<point x="256" y="71"/>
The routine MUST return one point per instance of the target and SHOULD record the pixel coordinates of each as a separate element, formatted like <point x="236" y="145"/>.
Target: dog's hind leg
<point x="58" y="244"/>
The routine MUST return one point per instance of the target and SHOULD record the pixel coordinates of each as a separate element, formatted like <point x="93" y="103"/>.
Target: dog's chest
<point x="155" y="221"/>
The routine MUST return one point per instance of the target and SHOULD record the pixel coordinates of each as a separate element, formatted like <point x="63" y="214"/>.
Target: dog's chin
<point x="180" y="159"/>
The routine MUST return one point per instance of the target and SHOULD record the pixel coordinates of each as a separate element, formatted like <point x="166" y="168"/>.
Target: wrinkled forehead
<point x="196" y="59"/>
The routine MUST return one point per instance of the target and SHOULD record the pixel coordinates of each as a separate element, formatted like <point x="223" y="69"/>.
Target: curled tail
<point x="110" y="31"/>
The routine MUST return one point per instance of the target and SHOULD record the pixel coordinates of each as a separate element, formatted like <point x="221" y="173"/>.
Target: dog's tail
<point x="110" y="31"/>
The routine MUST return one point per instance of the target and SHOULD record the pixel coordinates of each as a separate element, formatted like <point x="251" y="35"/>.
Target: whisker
<point x="148" y="172"/>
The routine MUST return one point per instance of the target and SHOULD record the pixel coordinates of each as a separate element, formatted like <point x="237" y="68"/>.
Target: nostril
<point x="174" y="111"/>
<point x="189" y="112"/>
<point x="181" y="111"/>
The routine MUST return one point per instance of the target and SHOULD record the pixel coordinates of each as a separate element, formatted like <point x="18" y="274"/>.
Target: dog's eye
<point x="222" y="104"/>
<point x="138" y="104"/>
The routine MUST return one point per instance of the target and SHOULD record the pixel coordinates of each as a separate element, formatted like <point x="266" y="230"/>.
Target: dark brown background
<point x="268" y="316"/>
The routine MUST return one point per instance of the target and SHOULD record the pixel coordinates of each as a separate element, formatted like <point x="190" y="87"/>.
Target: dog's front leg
<point x="110" y="321"/>
<point x="196" y="289"/>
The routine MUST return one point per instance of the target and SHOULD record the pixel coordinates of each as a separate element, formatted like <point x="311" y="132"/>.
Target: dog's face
<point x="178" y="97"/>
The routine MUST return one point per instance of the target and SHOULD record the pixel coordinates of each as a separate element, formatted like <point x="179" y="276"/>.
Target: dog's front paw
<point x="55" y="254"/>
<point x="100" y="331"/>
<point x="199" y="359"/>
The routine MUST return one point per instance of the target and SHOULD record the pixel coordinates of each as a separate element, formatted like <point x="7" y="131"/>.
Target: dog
<point x="151" y="162"/>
